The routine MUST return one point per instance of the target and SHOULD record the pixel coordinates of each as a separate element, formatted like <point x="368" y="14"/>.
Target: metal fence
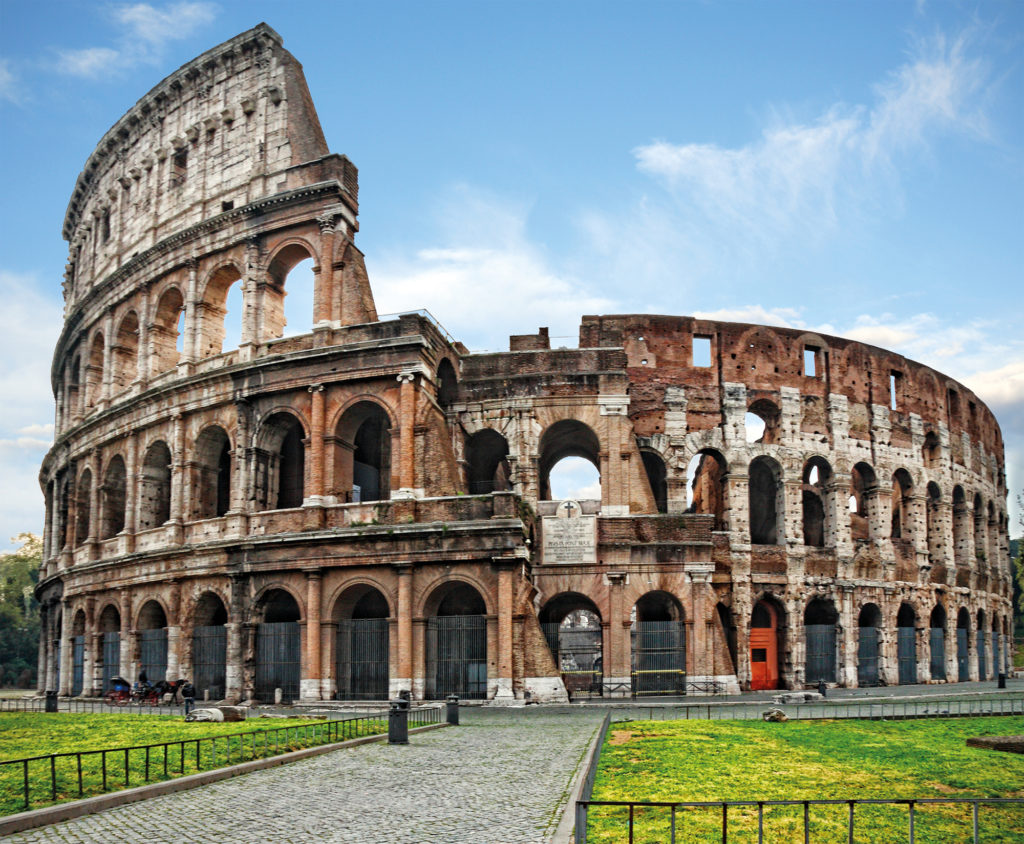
<point x="937" y="645"/>
<point x="39" y="780"/>
<point x="906" y="655"/>
<point x="209" y="661"/>
<point x="90" y="706"/>
<point x="363" y="652"/>
<point x="659" y="658"/>
<point x="578" y="655"/>
<point x="278" y="665"/>
<point x="962" y="664"/>
<point x="111" y="657"/>
<point x="821" y="652"/>
<point x="457" y="656"/>
<point x="153" y="654"/>
<point x="77" y="664"/>
<point x="741" y="808"/>
<point x="867" y="656"/>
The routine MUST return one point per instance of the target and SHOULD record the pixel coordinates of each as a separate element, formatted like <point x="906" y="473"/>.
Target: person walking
<point x="188" y="694"/>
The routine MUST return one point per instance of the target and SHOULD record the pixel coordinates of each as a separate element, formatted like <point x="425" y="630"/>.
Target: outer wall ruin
<point x="365" y="507"/>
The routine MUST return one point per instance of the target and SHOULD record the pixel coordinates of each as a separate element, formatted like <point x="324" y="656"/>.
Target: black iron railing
<point x="54" y="777"/>
<point x="675" y="810"/>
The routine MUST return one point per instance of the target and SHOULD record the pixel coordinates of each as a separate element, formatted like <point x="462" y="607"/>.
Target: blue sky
<point x="856" y="168"/>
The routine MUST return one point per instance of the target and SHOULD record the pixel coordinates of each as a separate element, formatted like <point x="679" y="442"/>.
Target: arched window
<point x="658" y="641"/>
<point x="487" y="467"/>
<point x="456" y="640"/>
<point x="902" y="487"/>
<point x="906" y="644"/>
<point x="762" y="422"/>
<point x="766" y="504"/>
<point x="572" y="626"/>
<point x="863" y="487"/>
<point x="125" y="352"/>
<point x="654" y="466"/>
<point x="83" y="499"/>
<point x="110" y="654"/>
<point x="361" y="646"/>
<point x="363" y="455"/>
<point x="447" y="384"/>
<point x="153" y="641"/>
<point x="209" y="646"/>
<point x="868" y="623"/>
<point x="288" y="299"/>
<point x="930" y="451"/>
<point x="706" y="490"/>
<point x="963" y="632"/>
<point x="982" y="662"/>
<point x="933" y="521"/>
<point x="212" y="481"/>
<point x="569" y="438"/>
<point x="281" y="463"/>
<point x="155" y="490"/>
<point x="112" y="499"/>
<point x="937" y="642"/>
<point x="94" y="372"/>
<point x="165" y="331"/>
<point x="820" y="620"/>
<point x="818" y="530"/>
<point x="980" y="533"/>
<point x="278" y="647"/>
<point x="962" y="551"/>
<point x="221" y="313"/>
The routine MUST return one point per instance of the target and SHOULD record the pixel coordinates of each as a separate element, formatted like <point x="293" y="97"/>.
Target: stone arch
<point x="863" y="496"/>
<point x="869" y="627"/>
<point x="209" y="609"/>
<point x="83" y="501"/>
<point x="209" y="645"/>
<point x="961" y="532"/>
<point x="155" y="486"/>
<point x="902" y="490"/>
<point x="165" y="329"/>
<point x="447" y="383"/>
<point x="94" y="372"/>
<point x="934" y="532"/>
<point x="278" y="656"/>
<point x="766" y="500"/>
<point x="707" y="491"/>
<point x="657" y="477"/>
<point x="362" y="451"/>
<point x="487" y="466"/>
<point x="211" y="474"/>
<point x="456" y="640"/>
<point x="213" y="310"/>
<point x="963" y="644"/>
<point x="821" y="621"/>
<point x="573" y="627"/>
<point x="77" y="631"/>
<point x="767" y="642"/>
<point x="931" y="453"/>
<point x="561" y="439"/>
<point x="125" y="352"/>
<point x="906" y="643"/>
<point x="362" y="642"/>
<point x="113" y="498"/>
<point x="981" y="629"/>
<point x="280" y="477"/>
<point x="151" y="629"/>
<point x="285" y="258"/>
<point x="658" y="644"/>
<point x="108" y="625"/>
<point x="762" y="422"/>
<point x="937" y="641"/>
<point x="980" y="533"/>
<point x="817" y="522"/>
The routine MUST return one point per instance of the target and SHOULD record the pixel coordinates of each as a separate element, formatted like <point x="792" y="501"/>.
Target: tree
<point x="19" y="611"/>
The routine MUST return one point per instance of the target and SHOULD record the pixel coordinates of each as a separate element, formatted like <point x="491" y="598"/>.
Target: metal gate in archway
<point x="906" y="654"/>
<point x="457" y="656"/>
<point x="997" y="641"/>
<point x="278" y="655"/>
<point x="821" y="652"/>
<point x="867" y="656"/>
<point x="111" y="659"/>
<point x="963" y="666"/>
<point x="77" y="665"/>
<point x="153" y="654"/>
<point x="937" y="641"/>
<point x="579" y="657"/>
<point x="209" y="660"/>
<point x="659" y="658"/>
<point x="362" y="663"/>
<point x="982" y="668"/>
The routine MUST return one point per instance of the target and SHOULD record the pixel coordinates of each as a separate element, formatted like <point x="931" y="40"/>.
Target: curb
<point x="563" y="833"/>
<point x="90" y="805"/>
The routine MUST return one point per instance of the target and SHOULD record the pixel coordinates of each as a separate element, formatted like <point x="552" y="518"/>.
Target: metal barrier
<point x="583" y="812"/>
<point x="63" y="775"/>
<point x="90" y="706"/>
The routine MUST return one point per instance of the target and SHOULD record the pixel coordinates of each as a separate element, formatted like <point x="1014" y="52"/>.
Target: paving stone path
<point x="500" y="778"/>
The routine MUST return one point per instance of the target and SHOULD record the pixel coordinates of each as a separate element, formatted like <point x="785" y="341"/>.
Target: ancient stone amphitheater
<point x="366" y="507"/>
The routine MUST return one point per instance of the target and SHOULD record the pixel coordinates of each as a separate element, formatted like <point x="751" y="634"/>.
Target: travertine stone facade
<point x="366" y="507"/>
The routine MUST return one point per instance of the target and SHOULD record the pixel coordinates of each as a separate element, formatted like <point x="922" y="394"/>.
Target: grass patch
<point x="37" y="734"/>
<point x="803" y="760"/>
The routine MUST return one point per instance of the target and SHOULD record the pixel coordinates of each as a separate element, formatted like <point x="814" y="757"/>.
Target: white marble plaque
<point x="570" y="540"/>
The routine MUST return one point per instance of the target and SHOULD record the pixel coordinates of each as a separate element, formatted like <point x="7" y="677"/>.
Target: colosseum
<point x="366" y="507"/>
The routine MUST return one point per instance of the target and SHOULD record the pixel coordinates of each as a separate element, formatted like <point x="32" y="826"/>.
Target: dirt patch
<point x="1010" y="744"/>
<point x="942" y="788"/>
<point x="620" y="737"/>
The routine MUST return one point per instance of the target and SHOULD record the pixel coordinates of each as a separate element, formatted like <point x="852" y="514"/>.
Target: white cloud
<point x="783" y="317"/>
<point x="8" y="83"/>
<point x="143" y="34"/>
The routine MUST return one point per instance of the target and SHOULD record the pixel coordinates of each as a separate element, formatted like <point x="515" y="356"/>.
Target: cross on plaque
<point x="569" y="506"/>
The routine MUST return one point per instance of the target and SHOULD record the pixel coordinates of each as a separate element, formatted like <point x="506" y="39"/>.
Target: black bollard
<point x="398" y="722"/>
<point x="453" y="710"/>
<point x="1002" y="680"/>
<point x="51" y="701"/>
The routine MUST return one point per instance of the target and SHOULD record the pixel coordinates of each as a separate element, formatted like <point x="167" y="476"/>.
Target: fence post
<point x="849" y="829"/>
<point x="725" y="823"/>
<point x="975" y="819"/>
<point x="581" y="822"/>
<point x="911" y="822"/>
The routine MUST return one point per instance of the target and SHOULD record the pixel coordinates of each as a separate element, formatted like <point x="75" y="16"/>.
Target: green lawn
<point x="799" y="760"/>
<point x="36" y="734"/>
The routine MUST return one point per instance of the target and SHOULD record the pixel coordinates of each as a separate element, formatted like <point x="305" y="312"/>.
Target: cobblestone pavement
<point x="500" y="778"/>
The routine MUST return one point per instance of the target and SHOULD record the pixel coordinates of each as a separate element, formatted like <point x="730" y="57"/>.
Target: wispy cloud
<point x="8" y="83"/>
<point x="143" y="32"/>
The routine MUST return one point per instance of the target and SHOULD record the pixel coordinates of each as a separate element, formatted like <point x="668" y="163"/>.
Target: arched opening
<point x="166" y="331"/>
<point x="996" y="646"/>
<point x="153" y="642"/>
<point x="456" y="661"/>
<point x="572" y="625"/>
<point x="933" y="527"/>
<point x="209" y="647"/>
<point x="980" y="533"/>
<point x="906" y="644"/>
<point x="654" y="466"/>
<point x="982" y="653"/>
<point x="155" y="489"/>
<point x="961" y="532"/>
<point x="992" y="552"/>
<point x="447" y="384"/>
<point x="761" y="422"/>
<point x="869" y="622"/>
<point x="125" y="352"/>
<point x="94" y="372"/>
<point x="77" y="653"/>
<point x="487" y="467"/>
<point x="363" y="454"/>
<point x="820" y="619"/>
<point x="817" y="527"/>
<point x="281" y="463"/>
<point x="278" y="647"/>
<point x="725" y="618"/>
<point x="930" y="451"/>
<point x="863" y="485"/>
<point x="937" y="642"/>
<point x="658" y="639"/>
<point x="766" y="504"/>
<point x="706" y="490"/>
<point x="72" y="398"/>
<point x="767" y="644"/>
<point x="963" y="630"/>
<point x="221" y="313"/>
<point x="212" y="473"/>
<point x="83" y="499"/>
<point x="569" y="438"/>
<point x="112" y="499"/>
<point x="361" y="649"/>
<point x="288" y="298"/>
<point x="902" y="487"/>
<point x="109" y="626"/>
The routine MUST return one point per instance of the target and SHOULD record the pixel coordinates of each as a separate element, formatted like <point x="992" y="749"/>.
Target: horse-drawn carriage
<point x="122" y="692"/>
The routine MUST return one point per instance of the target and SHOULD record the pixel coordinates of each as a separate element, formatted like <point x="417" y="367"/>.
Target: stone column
<point x="108" y="350"/>
<point x="88" y="648"/>
<point x="174" y="631"/>
<point x="126" y="668"/>
<point x="142" y="362"/>
<point x="179" y="480"/>
<point x="315" y="489"/>
<point x="616" y="657"/>
<point x="506" y="569"/>
<point x="131" y="493"/>
<point x="234" y="662"/>
<point x="310" y="682"/>
<point x="42" y="651"/>
<point x="847" y="674"/>
<point x="615" y="463"/>
<point x="251" y="307"/>
<point x="66" y="654"/>
<point x="188" y="344"/>
<point x="240" y="466"/>
<point x="407" y="442"/>
<point x="403" y="676"/>
<point x="323" y="275"/>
